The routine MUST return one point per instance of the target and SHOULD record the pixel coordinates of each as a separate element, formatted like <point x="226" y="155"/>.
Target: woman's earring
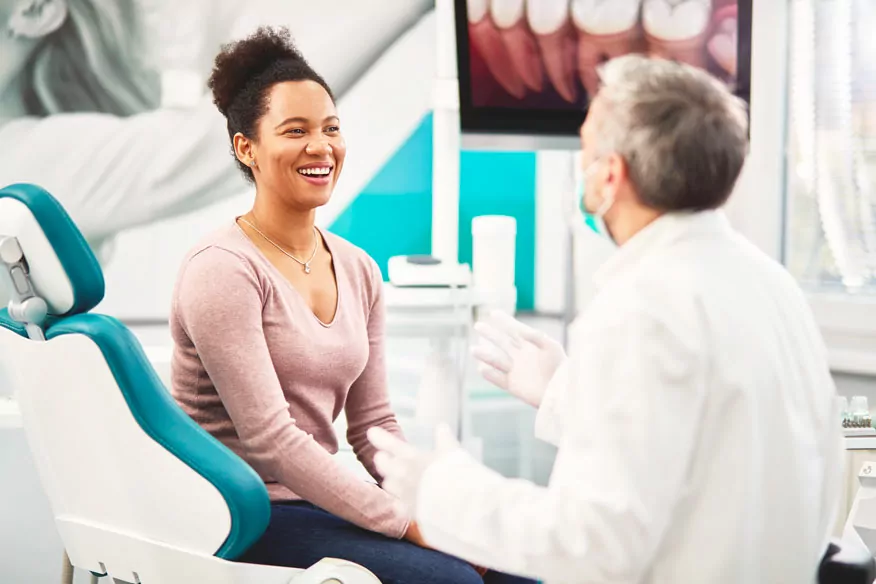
<point x="252" y="163"/>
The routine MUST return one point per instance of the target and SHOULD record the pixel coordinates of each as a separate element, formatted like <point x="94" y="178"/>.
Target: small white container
<point x="493" y="260"/>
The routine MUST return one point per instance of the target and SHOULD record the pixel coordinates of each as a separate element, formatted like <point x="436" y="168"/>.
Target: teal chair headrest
<point x="62" y="266"/>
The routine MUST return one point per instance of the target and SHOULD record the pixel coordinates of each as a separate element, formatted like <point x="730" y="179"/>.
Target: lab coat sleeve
<point x="113" y="173"/>
<point x="630" y="428"/>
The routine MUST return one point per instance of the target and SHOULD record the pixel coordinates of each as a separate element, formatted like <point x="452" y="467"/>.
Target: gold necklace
<point x="275" y="244"/>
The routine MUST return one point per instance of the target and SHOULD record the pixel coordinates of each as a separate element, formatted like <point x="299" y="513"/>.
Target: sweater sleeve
<point x="368" y="400"/>
<point x="219" y="301"/>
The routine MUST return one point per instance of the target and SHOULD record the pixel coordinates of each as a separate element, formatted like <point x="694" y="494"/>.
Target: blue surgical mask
<point x="594" y="221"/>
<point x="589" y="218"/>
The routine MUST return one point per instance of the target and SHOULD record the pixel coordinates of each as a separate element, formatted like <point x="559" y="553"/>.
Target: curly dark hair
<point x="244" y="72"/>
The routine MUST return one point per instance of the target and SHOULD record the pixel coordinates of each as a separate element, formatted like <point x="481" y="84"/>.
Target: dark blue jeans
<point x="300" y="534"/>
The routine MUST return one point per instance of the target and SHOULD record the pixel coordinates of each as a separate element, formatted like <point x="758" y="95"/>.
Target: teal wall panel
<point x="393" y="214"/>
<point x="501" y="183"/>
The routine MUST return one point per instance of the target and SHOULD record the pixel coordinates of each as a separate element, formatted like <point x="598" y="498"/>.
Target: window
<point x="830" y="226"/>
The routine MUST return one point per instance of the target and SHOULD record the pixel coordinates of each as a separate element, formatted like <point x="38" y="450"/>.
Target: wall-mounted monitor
<point x="527" y="68"/>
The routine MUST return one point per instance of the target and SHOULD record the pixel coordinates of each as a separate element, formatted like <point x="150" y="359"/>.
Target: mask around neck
<point x="594" y="221"/>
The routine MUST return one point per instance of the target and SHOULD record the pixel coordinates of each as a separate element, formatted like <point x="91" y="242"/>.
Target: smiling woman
<point x="278" y="327"/>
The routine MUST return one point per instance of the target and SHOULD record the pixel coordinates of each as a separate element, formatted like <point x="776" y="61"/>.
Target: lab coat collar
<point x="660" y="232"/>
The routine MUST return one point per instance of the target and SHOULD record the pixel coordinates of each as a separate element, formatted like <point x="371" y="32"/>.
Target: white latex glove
<point x="516" y="357"/>
<point x="403" y="465"/>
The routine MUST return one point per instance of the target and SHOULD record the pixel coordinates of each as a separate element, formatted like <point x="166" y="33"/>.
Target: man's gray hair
<point x="682" y="133"/>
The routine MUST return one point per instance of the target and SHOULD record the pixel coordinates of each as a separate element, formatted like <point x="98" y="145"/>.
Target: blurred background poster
<point x="104" y="103"/>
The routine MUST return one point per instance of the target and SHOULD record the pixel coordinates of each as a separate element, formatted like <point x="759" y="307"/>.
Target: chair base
<point x="127" y="558"/>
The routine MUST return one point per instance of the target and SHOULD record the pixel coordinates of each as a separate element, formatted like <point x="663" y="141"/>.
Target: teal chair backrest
<point x="66" y="274"/>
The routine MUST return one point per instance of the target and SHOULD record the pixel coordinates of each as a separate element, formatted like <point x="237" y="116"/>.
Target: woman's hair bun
<point x="241" y="61"/>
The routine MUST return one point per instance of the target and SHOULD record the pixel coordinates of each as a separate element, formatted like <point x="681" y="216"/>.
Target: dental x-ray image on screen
<point x="530" y="66"/>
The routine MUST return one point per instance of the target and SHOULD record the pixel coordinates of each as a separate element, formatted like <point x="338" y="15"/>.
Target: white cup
<point x="493" y="260"/>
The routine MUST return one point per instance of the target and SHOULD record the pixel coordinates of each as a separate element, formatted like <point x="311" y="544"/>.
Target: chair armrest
<point x="332" y="571"/>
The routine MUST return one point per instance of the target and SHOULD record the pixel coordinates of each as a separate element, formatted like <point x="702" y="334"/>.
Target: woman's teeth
<point x="321" y="171"/>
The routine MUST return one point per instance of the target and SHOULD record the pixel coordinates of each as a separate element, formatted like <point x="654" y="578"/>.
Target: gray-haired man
<point x="694" y="415"/>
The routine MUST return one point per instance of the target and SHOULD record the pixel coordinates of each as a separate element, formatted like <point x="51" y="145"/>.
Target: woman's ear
<point x="35" y="19"/>
<point x="243" y="149"/>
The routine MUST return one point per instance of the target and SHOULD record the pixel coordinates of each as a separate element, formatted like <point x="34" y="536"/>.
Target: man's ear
<point x="613" y="171"/>
<point x="35" y="19"/>
<point x="617" y="170"/>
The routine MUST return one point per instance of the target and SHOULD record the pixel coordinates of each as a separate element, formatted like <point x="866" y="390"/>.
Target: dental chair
<point x="139" y="492"/>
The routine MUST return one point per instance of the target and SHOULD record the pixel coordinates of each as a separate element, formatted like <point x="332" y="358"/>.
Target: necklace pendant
<point x="307" y="268"/>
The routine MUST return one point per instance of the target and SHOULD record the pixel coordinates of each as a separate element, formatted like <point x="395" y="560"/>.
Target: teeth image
<point x="676" y="21"/>
<point x="605" y="17"/>
<point x="549" y="21"/>
<point x="506" y="13"/>
<point x="547" y="16"/>
<point x="488" y="41"/>
<point x="606" y="29"/>
<point x="477" y="10"/>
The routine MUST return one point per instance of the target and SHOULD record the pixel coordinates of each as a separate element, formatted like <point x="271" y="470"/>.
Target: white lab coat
<point x="696" y="426"/>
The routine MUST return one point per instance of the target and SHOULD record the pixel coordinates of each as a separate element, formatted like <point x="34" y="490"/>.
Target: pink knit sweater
<point x="254" y="366"/>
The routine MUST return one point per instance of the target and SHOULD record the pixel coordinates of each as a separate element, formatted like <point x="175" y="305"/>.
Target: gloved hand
<point x="402" y="465"/>
<point x="516" y="357"/>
